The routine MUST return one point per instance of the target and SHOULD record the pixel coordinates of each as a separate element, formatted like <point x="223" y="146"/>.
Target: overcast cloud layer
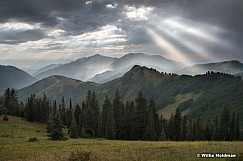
<point x="182" y="30"/>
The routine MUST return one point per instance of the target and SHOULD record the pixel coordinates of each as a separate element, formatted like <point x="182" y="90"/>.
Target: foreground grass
<point x="14" y="145"/>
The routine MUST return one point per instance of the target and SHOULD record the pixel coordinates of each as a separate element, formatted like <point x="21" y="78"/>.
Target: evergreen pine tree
<point x="208" y="131"/>
<point x="95" y="118"/>
<point x="177" y="125"/>
<point x="162" y="125"/>
<point x="82" y="120"/>
<point x="190" y="131"/>
<point x="88" y="113"/>
<point x="56" y="128"/>
<point x="7" y="100"/>
<point x="14" y="105"/>
<point x="139" y="118"/>
<point x="52" y="114"/>
<point x="184" y="128"/>
<point x="118" y="113"/>
<point x="170" y="128"/>
<point x="45" y="108"/>
<point x="73" y="129"/>
<point x="104" y="116"/>
<point x="151" y="133"/>
<point x="199" y="126"/>
<point x="11" y="102"/>
<point x="109" y="133"/>
<point x="63" y="112"/>
<point x="216" y="132"/>
<point x="39" y="111"/>
<point x="127" y="120"/>
<point x="225" y="124"/>
<point x="77" y="116"/>
<point x="237" y="133"/>
<point x="69" y="114"/>
<point x="233" y="128"/>
<point x="30" y="111"/>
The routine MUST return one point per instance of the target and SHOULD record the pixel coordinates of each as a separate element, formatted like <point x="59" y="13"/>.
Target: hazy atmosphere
<point x="37" y="33"/>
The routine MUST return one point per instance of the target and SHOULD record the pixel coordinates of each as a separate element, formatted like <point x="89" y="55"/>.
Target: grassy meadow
<point x="15" y="145"/>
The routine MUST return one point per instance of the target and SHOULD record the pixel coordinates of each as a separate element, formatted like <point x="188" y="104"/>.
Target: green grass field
<point x="14" y="145"/>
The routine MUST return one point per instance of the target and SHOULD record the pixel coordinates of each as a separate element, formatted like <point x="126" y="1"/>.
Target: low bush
<point x="80" y="156"/>
<point x="33" y="139"/>
<point x="5" y="118"/>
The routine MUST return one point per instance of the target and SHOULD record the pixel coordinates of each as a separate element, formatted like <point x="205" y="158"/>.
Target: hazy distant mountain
<point x="46" y="68"/>
<point x="230" y="67"/>
<point x="100" y="69"/>
<point x="55" y="87"/>
<point x="12" y="77"/>
<point x="82" y="69"/>
<point x="125" y="63"/>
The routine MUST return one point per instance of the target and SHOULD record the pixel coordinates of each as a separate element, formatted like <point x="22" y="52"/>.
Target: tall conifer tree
<point x="118" y="113"/>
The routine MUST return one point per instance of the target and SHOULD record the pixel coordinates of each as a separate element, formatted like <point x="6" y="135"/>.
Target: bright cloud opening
<point x="88" y="2"/>
<point x="18" y="26"/>
<point x="140" y="13"/>
<point x="108" y="34"/>
<point x="112" y="5"/>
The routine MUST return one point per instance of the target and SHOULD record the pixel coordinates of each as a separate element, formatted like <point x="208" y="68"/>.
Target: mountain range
<point x="230" y="67"/>
<point x="101" y="69"/>
<point x="204" y="94"/>
<point x="12" y="77"/>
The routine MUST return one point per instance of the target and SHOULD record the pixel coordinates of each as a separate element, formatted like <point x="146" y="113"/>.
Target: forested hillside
<point x="134" y="120"/>
<point x="200" y="95"/>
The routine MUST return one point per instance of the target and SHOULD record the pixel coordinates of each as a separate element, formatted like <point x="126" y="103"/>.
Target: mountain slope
<point x="46" y="68"/>
<point x="55" y="87"/>
<point x="201" y="95"/>
<point x="82" y="69"/>
<point x="230" y="67"/>
<point x="12" y="77"/>
<point x="125" y="63"/>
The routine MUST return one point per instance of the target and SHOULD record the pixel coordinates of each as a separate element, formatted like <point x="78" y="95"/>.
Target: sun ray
<point x="171" y="51"/>
<point x="188" y="44"/>
<point x="202" y="31"/>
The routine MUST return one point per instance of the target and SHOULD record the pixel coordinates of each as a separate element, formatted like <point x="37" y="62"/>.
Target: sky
<point x="36" y="33"/>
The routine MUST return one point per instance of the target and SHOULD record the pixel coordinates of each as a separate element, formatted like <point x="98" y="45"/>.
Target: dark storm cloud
<point x="76" y="17"/>
<point x="224" y="12"/>
<point x="46" y="11"/>
<point x="16" y="37"/>
<point x="35" y="10"/>
<point x="89" y="18"/>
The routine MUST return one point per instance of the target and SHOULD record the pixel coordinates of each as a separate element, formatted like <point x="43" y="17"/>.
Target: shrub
<point x="80" y="156"/>
<point x="33" y="139"/>
<point x="5" y="118"/>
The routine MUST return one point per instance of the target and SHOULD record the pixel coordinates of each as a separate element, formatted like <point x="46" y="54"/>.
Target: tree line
<point x="135" y="120"/>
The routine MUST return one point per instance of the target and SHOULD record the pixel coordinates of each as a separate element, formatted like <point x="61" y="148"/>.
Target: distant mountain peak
<point x="12" y="77"/>
<point x="143" y="72"/>
<point x="232" y="62"/>
<point x="230" y="67"/>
